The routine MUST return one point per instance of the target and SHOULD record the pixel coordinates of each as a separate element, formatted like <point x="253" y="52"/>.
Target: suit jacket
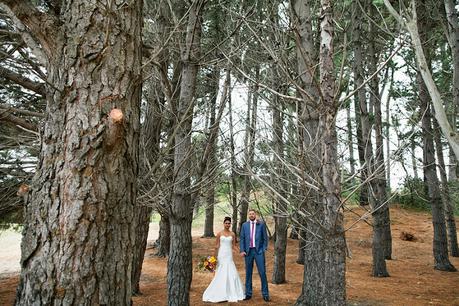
<point x="261" y="237"/>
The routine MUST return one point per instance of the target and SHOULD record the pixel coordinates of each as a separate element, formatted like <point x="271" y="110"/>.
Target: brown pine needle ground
<point x="413" y="280"/>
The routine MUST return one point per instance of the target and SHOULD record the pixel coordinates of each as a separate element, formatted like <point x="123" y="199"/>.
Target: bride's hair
<point x="227" y="219"/>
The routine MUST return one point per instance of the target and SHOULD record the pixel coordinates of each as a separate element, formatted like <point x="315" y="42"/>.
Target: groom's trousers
<point x="261" y="267"/>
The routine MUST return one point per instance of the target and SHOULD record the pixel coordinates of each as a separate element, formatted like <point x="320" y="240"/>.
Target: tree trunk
<point x="446" y="197"/>
<point x="440" y="244"/>
<point x="150" y="139"/>
<point x="324" y="275"/>
<point x="382" y="215"/>
<point x="360" y="100"/>
<point x="350" y="141"/>
<point x="179" y="268"/>
<point x="249" y="148"/>
<point x="211" y="161"/>
<point x="78" y="233"/>
<point x="376" y="203"/>
<point x="210" y="203"/>
<point x="440" y="247"/>
<point x="142" y="216"/>
<point x="281" y="213"/>
<point x="308" y="118"/>
<point x="164" y="238"/>
<point x="233" y="188"/>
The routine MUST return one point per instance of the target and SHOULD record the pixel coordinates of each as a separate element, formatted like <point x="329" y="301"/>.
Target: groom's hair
<point x="252" y="209"/>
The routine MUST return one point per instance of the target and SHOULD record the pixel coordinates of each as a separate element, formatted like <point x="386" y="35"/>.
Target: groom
<point x="253" y="245"/>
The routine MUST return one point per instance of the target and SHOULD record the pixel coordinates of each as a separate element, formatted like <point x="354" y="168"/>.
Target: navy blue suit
<point x="256" y="254"/>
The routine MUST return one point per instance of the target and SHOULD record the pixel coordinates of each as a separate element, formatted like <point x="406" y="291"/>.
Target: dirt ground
<point x="412" y="281"/>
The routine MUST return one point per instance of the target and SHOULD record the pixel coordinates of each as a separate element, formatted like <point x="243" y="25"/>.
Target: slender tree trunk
<point x="381" y="214"/>
<point x="233" y="189"/>
<point x="387" y="131"/>
<point x="414" y="162"/>
<point x="79" y="232"/>
<point x="376" y="203"/>
<point x="150" y="138"/>
<point x="179" y="268"/>
<point x="440" y="244"/>
<point x="211" y="162"/>
<point x="249" y="148"/>
<point x="446" y="197"/>
<point x="280" y="245"/>
<point x="142" y="216"/>
<point x="350" y="141"/>
<point x="360" y="100"/>
<point x="324" y="275"/>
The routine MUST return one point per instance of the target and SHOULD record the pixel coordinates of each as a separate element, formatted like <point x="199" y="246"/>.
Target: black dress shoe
<point x="266" y="298"/>
<point x="247" y="297"/>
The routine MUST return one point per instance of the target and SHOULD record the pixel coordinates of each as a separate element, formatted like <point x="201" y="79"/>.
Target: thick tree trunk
<point x="78" y="233"/>
<point x="179" y="268"/>
<point x="446" y="197"/>
<point x="324" y="275"/>
<point x="308" y="118"/>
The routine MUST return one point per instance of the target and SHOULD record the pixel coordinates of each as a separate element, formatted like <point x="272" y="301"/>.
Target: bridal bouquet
<point x="208" y="263"/>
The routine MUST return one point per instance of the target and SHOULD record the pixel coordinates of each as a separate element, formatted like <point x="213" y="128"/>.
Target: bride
<point x="226" y="285"/>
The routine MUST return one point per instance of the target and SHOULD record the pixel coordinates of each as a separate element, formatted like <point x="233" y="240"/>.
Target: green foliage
<point x="413" y="194"/>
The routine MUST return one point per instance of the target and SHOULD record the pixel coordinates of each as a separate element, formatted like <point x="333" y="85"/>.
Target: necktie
<point x="252" y="234"/>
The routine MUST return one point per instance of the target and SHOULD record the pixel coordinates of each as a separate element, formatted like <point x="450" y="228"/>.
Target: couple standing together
<point x="227" y="285"/>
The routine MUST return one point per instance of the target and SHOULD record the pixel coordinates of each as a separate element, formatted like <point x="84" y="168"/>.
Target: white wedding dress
<point x="226" y="285"/>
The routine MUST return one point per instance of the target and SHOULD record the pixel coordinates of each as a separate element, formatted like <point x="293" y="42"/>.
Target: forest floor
<point x="412" y="281"/>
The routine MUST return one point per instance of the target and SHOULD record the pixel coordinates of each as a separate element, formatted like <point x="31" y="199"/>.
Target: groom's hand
<point x="243" y="254"/>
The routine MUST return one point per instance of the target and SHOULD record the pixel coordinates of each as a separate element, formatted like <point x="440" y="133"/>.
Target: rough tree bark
<point x="79" y="234"/>
<point x="179" y="268"/>
<point x="308" y="121"/>
<point x="324" y="275"/>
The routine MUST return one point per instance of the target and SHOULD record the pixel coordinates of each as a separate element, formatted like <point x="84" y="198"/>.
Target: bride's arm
<point x="217" y="245"/>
